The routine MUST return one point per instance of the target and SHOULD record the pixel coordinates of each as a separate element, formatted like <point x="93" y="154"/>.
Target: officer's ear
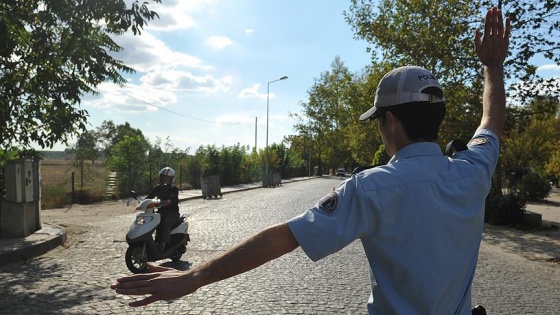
<point x="391" y="120"/>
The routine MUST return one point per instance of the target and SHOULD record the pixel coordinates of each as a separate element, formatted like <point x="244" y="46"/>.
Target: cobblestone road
<point x="76" y="280"/>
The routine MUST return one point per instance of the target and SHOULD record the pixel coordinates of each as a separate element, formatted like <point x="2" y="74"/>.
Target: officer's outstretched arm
<point x="492" y="49"/>
<point x="168" y="284"/>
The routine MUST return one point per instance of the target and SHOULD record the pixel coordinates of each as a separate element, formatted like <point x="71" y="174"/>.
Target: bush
<point x="533" y="187"/>
<point x="506" y="209"/>
<point x="54" y="196"/>
<point x="87" y="196"/>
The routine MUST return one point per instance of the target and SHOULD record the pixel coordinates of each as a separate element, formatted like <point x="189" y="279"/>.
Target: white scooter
<point x="142" y="247"/>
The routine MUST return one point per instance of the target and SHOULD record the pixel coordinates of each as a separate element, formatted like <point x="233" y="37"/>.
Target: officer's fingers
<point x="488" y="23"/>
<point x="477" y="41"/>
<point x="136" y="289"/>
<point x="141" y="277"/>
<point x="500" y="22"/>
<point x="508" y="28"/>
<point x="496" y="14"/>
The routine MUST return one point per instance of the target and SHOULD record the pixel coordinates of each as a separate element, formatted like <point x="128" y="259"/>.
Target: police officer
<point x="420" y="217"/>
<point x="168" y="194"/>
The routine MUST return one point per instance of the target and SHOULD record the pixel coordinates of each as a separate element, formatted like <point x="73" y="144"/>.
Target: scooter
<point x="142" y="248"/>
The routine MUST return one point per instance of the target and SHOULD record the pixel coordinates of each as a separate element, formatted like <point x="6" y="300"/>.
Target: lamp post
<point x="267" y="102"/>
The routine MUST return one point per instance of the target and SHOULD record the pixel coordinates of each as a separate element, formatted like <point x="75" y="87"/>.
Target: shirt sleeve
<point x="483" y="151"/>
<point x="174" y="196"/>
<point x="153" y="193"/>
<point x="333" y="223"/>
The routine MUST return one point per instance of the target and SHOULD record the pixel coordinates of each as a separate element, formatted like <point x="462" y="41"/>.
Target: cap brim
<point x="369" y="114"/>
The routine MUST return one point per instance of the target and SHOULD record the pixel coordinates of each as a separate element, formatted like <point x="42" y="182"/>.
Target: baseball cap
<point x="404" y="85"/>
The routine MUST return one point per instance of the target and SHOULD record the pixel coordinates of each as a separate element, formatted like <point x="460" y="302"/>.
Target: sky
<point x="203" y="70"/>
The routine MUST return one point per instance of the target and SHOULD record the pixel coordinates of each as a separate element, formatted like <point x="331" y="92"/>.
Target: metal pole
<point x="309" y="165"/>
<point x="266" y="146"/>
<point x="73" y="194"/>
<point x="267" y="102"/>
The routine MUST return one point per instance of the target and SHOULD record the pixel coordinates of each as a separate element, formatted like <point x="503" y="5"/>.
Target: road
<point x="75" y="280"/>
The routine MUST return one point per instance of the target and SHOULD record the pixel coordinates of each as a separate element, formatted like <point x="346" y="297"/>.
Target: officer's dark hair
<point x="421" y="120"/>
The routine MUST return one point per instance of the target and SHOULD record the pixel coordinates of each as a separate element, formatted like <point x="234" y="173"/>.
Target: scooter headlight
<point x="143" y="220"/>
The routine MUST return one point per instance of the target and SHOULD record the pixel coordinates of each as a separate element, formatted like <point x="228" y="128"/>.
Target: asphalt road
<point x="76" y="280"/>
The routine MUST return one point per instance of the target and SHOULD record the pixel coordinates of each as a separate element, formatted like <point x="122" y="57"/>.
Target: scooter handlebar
<point x="149" y="204"/>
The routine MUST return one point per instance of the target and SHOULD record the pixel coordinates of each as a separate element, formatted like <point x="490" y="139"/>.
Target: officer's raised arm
<point x="492" y="49"/>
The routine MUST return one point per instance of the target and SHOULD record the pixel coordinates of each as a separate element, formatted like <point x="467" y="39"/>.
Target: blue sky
<point x="210" y="62"/>
<point x="205" y="66"/>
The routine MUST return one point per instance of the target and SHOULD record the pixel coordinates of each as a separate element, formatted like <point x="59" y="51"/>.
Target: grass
<point x="56" y="183"/>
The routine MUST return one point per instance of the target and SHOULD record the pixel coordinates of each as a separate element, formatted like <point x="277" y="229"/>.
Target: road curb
<point x="35" y="244"/>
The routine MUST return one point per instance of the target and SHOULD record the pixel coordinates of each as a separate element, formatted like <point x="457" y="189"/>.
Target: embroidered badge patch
<point x="329" y="202"/>
<point x="478" y="141"/>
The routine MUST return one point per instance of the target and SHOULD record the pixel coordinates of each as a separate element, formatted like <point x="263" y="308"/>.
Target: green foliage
<point x="55" y="196"/>
<point x="502" y="209"/>
<point x="84" y="149"/>
<point x="52" y="53"/>
<point x="128" y="157"/>
<point x="381" y="156"/>
<point x="533" y="187"/>
<point x="535" y="26"/>
<point x="326" y="115"/>
<point x="166" y="156"/>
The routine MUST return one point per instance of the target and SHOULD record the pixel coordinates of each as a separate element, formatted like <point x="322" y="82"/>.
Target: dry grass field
<point x="56" y="183"/>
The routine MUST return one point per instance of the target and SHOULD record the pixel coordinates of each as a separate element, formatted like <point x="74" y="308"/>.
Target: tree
<point x="105" y="134"/>
<point x="129" y="158"/>
<point x="325" y="115"/>
<point x="168" y="155"/>
<point x="84" y="149"/>
<point x="53" y="52"/>
<point x="428" y="34"/>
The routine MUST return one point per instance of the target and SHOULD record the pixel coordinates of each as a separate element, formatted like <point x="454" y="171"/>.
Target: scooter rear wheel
<point x="178" y="253"/>
<point x="135" y="261"/>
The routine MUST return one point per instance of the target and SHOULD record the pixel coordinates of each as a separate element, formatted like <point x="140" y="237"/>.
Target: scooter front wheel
<point x="136" y="258"/>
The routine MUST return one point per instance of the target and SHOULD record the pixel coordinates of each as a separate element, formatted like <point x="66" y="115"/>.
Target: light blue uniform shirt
<point x="420" y="219"/>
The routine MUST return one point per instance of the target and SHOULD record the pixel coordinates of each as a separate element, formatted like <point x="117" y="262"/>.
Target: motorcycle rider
<point x="168" y="194"/>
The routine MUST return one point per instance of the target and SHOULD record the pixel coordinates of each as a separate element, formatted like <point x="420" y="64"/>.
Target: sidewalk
<point x="51" y="236"/>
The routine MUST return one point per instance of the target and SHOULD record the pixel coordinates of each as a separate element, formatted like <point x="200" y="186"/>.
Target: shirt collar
<point x="417" y="149"/>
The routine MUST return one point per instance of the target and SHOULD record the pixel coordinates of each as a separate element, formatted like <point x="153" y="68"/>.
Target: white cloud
<point x="177" y="15"/>
<point x="219" y="42"/>
<point x="249" y="31"/>
<point x="235" y="119"/>
<point x="549" y="67"/>
<point x="250" y="92"/>
<point x="168" y="79"/>
<point x="131" y="98"/>
<point x="253" y="92"/>
<point x="146" y="52"/>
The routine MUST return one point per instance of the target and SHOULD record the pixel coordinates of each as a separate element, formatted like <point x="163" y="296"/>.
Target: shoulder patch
<point x="478" y="141"/>
<point x="329" y="202"/>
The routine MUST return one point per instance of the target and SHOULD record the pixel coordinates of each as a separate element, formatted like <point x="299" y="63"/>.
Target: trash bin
<point x="276" y="179"/>
<point x="210" y="186"/>
<point x="271" y="180"/>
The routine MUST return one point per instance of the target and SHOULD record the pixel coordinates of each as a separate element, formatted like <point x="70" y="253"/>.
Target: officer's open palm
<point x="161" y="284"/>
<point x="492" y="47"/>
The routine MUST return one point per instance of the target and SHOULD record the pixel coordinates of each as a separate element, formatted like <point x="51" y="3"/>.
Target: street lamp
<point x="267" y="101"/>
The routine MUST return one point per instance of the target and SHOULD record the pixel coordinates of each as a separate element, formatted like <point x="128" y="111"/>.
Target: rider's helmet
<point x="166" y="176"/>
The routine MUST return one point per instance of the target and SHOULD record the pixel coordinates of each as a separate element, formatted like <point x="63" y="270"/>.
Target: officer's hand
<point x="164" y="284"/>
<point x="492" y="47"/>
